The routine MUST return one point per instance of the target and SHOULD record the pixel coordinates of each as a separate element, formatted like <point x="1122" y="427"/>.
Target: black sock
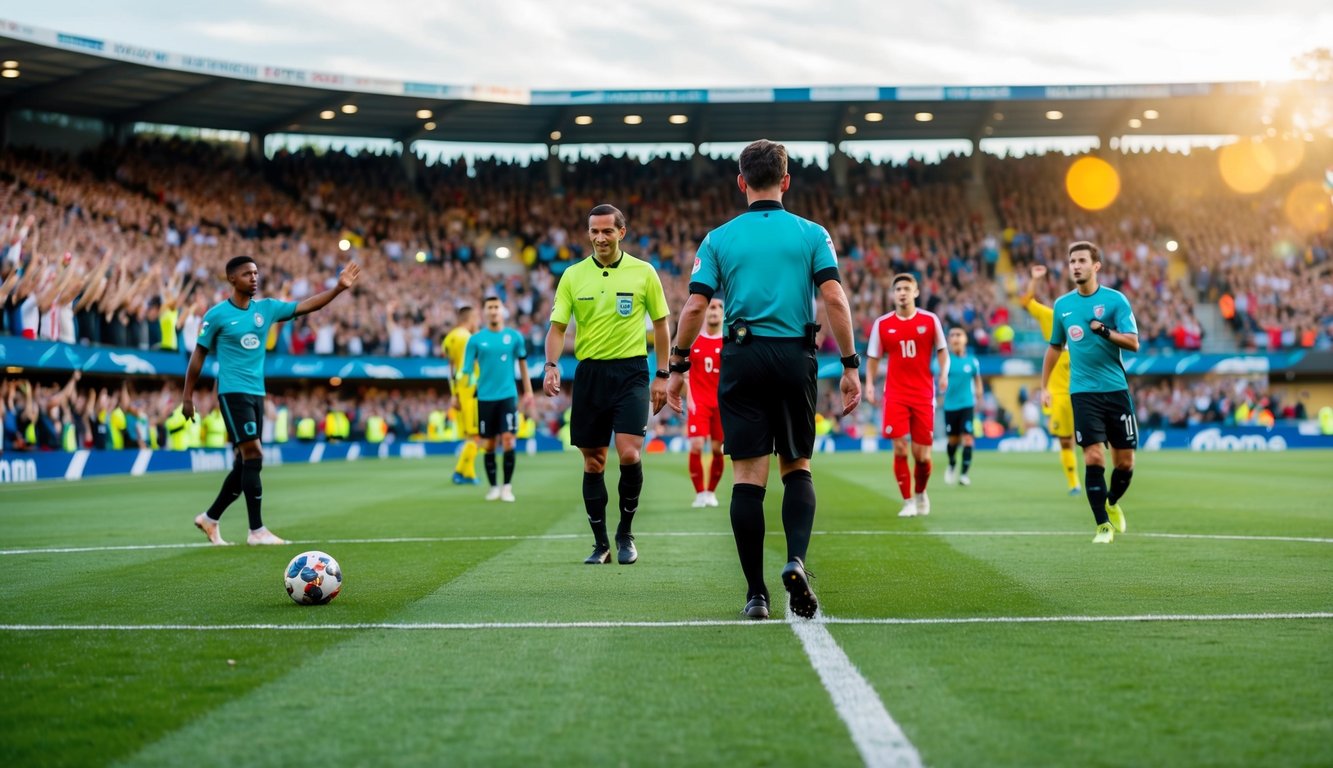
<point x="254" y="491"/>
<point x="594" y="501"/>
<point x="1094" y="482"/>
<point x="509" y="465"/>
<point x="967" y="458"/>
<point x="231" y="490"/>
<point x="630" y="486"/>
<point x="488" y="459"/>
<point x="747" y="525"/>
<point x="798" y="512"/>
<point x="1119" y="484"/>
<point x="953" y="452"/>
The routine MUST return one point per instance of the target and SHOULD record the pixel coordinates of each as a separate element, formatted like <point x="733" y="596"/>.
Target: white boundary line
<point x="568" y="536"/>
<point x="877" y="736"/>
<point x="493" y="625"/>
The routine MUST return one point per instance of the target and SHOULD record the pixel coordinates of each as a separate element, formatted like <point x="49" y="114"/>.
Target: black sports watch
<point x="678" y="352"/>
<point x="661" y="374"/>
<point x="851" y="361"/>
<point x="682" y="366"/>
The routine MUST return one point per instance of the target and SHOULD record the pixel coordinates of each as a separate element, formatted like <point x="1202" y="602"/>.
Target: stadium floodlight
<point x="874" y="117"/>
<point x="923" y="117"/>
<point x="1150" y="114"/>
<point x="633" y="119"/>
<point x="344" y="244"/>
<point x="1134" y="122"/>
<point x="10" y="64"/>
<point x="555" y="135"/>
<point x="1172" y="246"/>
<point x="851" y="129"/>
<point x="997" y="117"/>
<point x="327" y="114"/>
<point x="1054" y="114"/>
<point x="678" y="119"/>
<point x="502" y="252"/>
<point x="349" y="109"/>
<point x="425" y="114"/>
<point x="430" y="126"/>
<point x="9" y="73"/>
<point x="583" y="120"/>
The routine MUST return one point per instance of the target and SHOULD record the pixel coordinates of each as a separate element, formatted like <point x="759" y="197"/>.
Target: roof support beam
<point x="161" y="108"/>
<point x="37" y="94"/>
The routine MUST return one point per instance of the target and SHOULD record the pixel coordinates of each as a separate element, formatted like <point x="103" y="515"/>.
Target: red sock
<point x="715" y="471"/>
<point x="922" y="475"/>
<point x="697" y="471"/>
<point x="904" y="476"/>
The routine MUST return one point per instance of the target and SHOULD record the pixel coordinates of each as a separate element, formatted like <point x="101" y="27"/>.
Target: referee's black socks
<point x="798" y="511"/>
<point x="630" y="486"/>
<point x="1094" y="480"/>
<point x="1119" y="484"/>
<point x="747" y="525"/>
<point x="594" y="501"/>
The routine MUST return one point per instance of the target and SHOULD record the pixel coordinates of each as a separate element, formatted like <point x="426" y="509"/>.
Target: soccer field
<point x="469" y="633"/>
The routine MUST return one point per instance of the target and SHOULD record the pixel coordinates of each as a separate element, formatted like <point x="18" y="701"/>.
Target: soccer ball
<point x="313" y="578"/>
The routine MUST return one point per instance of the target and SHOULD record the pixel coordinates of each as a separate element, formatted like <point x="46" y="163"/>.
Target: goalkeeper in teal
<point x="235" y="331"/>
<point x="494" y="349"/>
<point x="1097" y="324"/>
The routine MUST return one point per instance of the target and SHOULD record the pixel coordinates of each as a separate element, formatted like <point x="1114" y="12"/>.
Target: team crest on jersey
<point x="1098" y="311"/>
<point x="624" y="304"/>
<point x="259" y="320"/>
<point x="1076" y="333"/>
<point x="921" y="329"/>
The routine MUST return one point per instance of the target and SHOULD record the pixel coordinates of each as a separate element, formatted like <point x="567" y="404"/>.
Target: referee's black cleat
<point x="756" y="608"/>
<point x="797" y="583"/>
<point x="626" y="552"/>
<point x="601" y="554"/>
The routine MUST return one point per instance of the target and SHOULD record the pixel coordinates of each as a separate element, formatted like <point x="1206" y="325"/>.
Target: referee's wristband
<point x="552" y="365"/>
<point x="682" y="366"/>
<point x="678" y="352"/>
<point x="851" y="361"/>
<point x="1104" y="331"/>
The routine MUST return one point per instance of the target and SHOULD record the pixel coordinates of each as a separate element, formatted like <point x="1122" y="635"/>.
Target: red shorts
<point x="902" y="419"/>
<point x="705" y="421"/>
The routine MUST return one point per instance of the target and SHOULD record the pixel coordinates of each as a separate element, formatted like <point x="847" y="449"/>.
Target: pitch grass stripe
<point x="500" y="625"/>
<point x="875" y="733"/>
<point x="568" y="536"/>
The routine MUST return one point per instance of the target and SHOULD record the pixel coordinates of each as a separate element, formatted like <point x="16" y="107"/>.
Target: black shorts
<point x="959" y="422"/>
<point x="609" y="396"/>
<point x="497" y="417"/>
<point x="766" y="392"/>
<point x="1105" y="417"/>
<point x="244" y="415"/>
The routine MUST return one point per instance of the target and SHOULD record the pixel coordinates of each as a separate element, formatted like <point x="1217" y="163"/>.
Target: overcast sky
<point x="701" y="43"/>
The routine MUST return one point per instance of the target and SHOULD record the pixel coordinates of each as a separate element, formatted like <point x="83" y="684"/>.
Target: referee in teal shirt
<point x="769" y="263"/>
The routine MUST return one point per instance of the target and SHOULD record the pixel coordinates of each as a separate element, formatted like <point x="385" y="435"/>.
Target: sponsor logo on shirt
<point x="250" y="341"/>
<point x="1076" y="333"/>
<point x="697" y="265"/>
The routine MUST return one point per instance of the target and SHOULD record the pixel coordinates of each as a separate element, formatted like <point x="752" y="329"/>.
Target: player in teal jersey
<point x="960" y="403"/>
<point x="235" y="331"/>
<point x="1096" y="323"/>
<point x="494" y="350"/>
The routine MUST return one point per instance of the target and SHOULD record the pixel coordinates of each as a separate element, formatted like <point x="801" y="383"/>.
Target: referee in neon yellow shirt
<point x="608" y="294"/>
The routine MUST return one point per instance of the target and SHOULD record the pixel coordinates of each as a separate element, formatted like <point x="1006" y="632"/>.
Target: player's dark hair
<point x="489" y="298"/>
<point x="958" y="328"/>
<point x="903" y="277"/>
<point x="1084" y="245"/>
<point x="238" y="262"/>
<point x="464" y="311"/>
<point x="606" y="209"/>
<point x="763" y="164"/>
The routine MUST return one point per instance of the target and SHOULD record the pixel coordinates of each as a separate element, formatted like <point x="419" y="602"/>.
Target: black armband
<point x="851" y="361"/>
<point x="661" y="374"/>
<point x="1104" y="331"/>
<point x="678" y="352"/>
<point x="680" y="367"/>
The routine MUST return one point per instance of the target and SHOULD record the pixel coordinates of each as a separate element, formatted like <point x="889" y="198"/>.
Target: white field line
<point x="667" y="534"/>
<point x="500" y="625"/>
<point x="875" y="733"/>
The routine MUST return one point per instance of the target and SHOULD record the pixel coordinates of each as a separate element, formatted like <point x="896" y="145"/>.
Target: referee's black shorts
<point x="609" y="396"/>
<point x="766" y="393"/>
<point x="1105" y="417"/>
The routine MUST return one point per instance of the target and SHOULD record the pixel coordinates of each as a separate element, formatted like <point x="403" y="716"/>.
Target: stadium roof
<point x="124" y="84"/>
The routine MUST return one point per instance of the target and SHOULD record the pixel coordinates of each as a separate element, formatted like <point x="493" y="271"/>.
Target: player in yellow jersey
<point x="1062" y="409"/>
<point x="465" y="388"/>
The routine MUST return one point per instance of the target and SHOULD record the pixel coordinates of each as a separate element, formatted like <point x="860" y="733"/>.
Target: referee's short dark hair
<point x="763" y="164"/>
<point x="238" y="262"/>
<point x="605" y="209"/>
<point x="1094" y="252"/>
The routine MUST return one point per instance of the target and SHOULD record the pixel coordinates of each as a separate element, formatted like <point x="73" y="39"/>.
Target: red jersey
<point x="910" y="345"/>
<point x="705" y="368"/>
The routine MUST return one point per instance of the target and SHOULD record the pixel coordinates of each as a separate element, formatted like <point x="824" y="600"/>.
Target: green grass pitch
<point x="478" y="654"/>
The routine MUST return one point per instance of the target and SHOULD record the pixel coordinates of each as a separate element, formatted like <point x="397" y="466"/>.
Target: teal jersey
<point x="237" y="336"/>
<point x="963" y="373"/>
<point x="767" y="262"/>
<point x="1095" y="364"/>
<point x="494" y="353"/>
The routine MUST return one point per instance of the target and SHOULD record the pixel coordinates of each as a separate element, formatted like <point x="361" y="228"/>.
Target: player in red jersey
<point x="705" y="420"/>
<point x="907" y="336"/>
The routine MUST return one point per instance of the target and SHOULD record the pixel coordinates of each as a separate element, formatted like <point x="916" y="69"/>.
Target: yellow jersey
<point x="455" y="345"/>
<point x="1045" y="316"/>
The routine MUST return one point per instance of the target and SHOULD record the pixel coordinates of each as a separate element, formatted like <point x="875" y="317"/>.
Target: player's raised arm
<point x="346" y="279"/>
